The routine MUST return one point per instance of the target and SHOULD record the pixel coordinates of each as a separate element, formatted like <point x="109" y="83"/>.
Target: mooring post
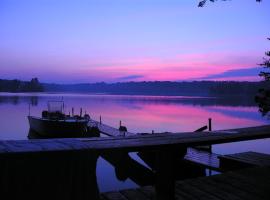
<point x="100" y="119"/>
<point x="120" y="123"/>
<point x="72" y="111"/>
<point x="152" y="131"/>
<point x="81" y="112"/>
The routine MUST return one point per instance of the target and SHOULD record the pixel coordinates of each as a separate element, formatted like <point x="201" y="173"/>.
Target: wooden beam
<point x="134" y="143"/>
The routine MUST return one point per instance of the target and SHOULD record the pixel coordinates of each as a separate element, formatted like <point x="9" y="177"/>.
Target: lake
<point x="139" y="114"/>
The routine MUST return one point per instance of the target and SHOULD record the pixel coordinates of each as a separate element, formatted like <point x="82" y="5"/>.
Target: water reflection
<point x="139" y="114"/>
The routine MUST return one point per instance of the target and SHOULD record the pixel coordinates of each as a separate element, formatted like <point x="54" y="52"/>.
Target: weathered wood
<point x="113" y="196"/>
<point x="203" y="158"/>
<point x="164" y="142"/>
<point x="134" y="143"/>
<point x="165" y="183"/>
<point x="49" y="175"/>
<point x="148" y="191"/>
<point x="242" y="160"/>
<point x="108" y="130"/>
<point x="132" y="194"/>
<point x="225" y="186"/>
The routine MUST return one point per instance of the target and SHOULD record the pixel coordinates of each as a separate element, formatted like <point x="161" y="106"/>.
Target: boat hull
<point x="58" y="128"/>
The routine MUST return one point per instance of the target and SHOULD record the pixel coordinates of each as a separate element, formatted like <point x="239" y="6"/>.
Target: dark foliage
<point x="195" y="88"/>
<point x="263" y="96"/>
<point x="202" y="3"/>
<point x="20" y="86"/>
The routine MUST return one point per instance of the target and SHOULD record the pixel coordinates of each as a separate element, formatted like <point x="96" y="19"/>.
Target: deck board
<point x="134" y="195"/>
<point x="108" y="130"/>
<point x="203" y="158"/>
<point x="245" y="159"/>
<point x="251" y="185"/>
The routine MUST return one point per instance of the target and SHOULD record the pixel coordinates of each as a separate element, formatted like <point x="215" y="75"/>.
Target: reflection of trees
<point x="34" y="100"/>
<point x="15" y="100"/>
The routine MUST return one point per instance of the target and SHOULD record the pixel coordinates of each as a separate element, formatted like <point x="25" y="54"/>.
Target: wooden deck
<point x="244" y="160"/>
<point x="67" y="170"/>
<point x="108" y="130"/>
<point x="203" y="158"/>
<point x="248" y="184"/>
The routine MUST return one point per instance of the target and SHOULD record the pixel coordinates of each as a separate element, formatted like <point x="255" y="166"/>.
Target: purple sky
<point x="72" y="41"/>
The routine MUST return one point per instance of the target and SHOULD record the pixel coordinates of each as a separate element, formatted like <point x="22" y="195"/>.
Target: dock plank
<point x="245" y="159"/>
<point x="203" y="158"/>
<point x="108" y="130"/>
<point x="113" y="196"/>
<point x="134" y="143"/>
<point x="132" y="194"/>
<point x="225" y="186"/>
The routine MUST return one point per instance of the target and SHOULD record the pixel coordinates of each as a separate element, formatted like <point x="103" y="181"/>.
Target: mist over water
<point x="139" y="114"/>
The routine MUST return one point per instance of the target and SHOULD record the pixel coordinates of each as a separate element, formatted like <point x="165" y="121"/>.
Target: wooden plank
<point x="108" y="130"/>
<point x="203" y="158"/>
<point x="134" y="143"/>
<point x="165" y="183"/>
<point x="113" y="196"/>
<point x="183" y="190"/>
<point x="248" y="184"/>
<point x="148" y="191"/>
<point x="211" y="188"/>
<point x="132" y="194"/>
<point x="245" y="159"/>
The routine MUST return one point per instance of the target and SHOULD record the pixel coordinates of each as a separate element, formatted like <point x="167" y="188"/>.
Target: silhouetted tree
<point x="263" y="96"/>
<point x="202" y="3"/>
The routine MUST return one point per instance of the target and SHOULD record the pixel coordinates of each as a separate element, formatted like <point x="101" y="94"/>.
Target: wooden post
<point x="165" y="183"/>
<point x="81" y="112"/>
<point x="152" y="131"/>
<point x="120" y="123"/>
<point x="210" y="129"/>
<point x="72" y="111"/>
<point x="210" y="124"/>
<point x="100" y="119"/>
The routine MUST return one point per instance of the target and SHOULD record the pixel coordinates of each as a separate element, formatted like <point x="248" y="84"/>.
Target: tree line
<point x="21" y="86"/>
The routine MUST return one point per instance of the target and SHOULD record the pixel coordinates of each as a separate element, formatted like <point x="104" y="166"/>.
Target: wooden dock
<point x="244" y="160"/>
<point x="65" y="168"/>
<point x="248" y="184"/>
<point x="108" y="130"/>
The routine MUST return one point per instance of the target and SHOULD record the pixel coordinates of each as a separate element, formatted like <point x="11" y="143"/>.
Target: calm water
<point x="139" y="114"/>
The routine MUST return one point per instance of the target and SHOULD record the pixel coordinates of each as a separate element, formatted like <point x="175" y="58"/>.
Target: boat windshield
<point x="56" y="106"/>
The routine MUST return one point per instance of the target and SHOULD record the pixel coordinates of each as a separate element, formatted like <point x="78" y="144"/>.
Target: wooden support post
<point x="210" y="124"/>
<point x="81" y="112"/>
<point x="165" y="183"/>
<point x="120" y="123"/>
<point x="210" y="129"/>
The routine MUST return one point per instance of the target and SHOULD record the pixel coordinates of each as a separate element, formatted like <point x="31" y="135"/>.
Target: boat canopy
<point x="56" y="106"/>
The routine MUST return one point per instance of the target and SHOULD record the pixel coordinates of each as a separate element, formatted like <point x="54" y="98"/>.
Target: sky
<point x="86" y="41"/>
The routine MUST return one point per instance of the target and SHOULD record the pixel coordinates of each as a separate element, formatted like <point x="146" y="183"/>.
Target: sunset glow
<point x="131" y="40"/>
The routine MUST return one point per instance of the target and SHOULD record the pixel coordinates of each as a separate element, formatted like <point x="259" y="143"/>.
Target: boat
<point x="55" y="124"/>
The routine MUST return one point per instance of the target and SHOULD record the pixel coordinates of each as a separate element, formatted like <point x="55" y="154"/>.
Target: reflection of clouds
<point x="138" y="113"/>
